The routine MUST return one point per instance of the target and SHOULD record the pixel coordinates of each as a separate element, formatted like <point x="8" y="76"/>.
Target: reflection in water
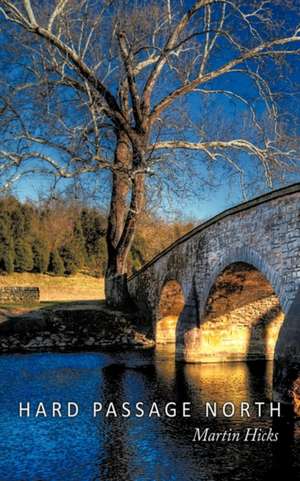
<point x="210" y="382"/>
<point x="135" y="449"/>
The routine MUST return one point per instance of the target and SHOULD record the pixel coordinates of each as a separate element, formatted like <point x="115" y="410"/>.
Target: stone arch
<point x="171" y="304"/>
<point x="249" y="256"/>
<point x="241" y="318"/>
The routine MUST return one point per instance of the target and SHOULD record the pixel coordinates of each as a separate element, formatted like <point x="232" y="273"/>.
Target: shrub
<point x="56" y="264"/>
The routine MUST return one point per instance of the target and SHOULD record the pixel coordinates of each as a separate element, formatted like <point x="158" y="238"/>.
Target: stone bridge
<point x="229" y="290"/>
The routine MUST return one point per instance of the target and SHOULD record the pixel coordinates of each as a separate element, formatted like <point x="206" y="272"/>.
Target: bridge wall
<point x="264" y="233"/>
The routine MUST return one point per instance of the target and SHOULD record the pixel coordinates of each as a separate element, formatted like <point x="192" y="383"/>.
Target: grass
<point x="79" y="287"/>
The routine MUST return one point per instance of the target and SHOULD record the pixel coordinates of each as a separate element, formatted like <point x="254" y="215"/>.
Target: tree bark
<point x="121" y="230"/>
<point x="120" y="189"/>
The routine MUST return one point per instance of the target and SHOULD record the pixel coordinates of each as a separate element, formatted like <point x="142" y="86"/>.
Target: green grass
<point x="58" y="288"/>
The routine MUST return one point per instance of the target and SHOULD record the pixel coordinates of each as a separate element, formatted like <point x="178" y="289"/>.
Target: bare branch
<point x="31" y="16"/>
<point x="56" y="13"/>
<point x="69" y="53"/>
<point x="265" y="155"/>
<point x="128" y="62"/>
<point x="256" y="52"/>
<point x="169" y="47"/>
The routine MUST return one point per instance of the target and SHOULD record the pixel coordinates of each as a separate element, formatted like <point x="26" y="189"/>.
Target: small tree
<point x="56" y="264"/>
<point x="69" y="255"/>
<point x="94" y="228"/>
<point x="101" y="255"/>
<point x="8" y="258"/>
<point x="41" y="254"/>
<point x="78" y="244"/>
<point x="7" y="253"/>
<point x="23" y="256"/>
<point x="18" y="221"/>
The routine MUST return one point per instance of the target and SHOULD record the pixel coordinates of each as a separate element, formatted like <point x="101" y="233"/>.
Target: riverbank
<point x="68" y="326"/>
<point x="72" y="316"/>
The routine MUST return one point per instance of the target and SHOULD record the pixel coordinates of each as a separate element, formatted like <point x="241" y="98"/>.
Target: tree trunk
<point x="115" y="281"/>
<point x="121" y="230"/>
<point x="116" y="291"/>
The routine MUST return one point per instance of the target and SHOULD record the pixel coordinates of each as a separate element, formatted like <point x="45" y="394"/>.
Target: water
<point x="85" y="448"/>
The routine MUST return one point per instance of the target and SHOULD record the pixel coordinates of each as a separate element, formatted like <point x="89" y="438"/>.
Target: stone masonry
<point x="263" y="233"/>
<point x="19" y="295"/>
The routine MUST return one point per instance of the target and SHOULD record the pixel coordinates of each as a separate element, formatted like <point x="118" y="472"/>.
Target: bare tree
<point x="116" y="85"/>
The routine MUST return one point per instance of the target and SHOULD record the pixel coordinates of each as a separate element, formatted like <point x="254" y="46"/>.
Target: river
<point x="88" y="448"/>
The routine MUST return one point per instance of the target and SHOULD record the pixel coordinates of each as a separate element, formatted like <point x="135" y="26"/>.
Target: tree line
<point x="64" y="237"/>
<point x="59" y="238"/>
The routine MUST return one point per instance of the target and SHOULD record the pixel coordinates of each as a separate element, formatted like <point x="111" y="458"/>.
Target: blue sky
<point x="206" y="200"/>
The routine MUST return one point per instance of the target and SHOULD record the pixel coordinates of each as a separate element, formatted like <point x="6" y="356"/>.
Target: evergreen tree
<point x="18" y="222"/>
<point x="101" y="255"/>
<point x="56" y="264"/>
<point x="7" y="253"/>
<point x="23" y="256"/>
<point x="93" y="226"/>
<point x="97" y="262"/>
<point x="29" y="215"/>
<point x="41" y="254"/>
<point x="70" y="258"/>
<point x="78" y="244"/>
<point x="78" y="234"/>
<point x="9" y="258"/>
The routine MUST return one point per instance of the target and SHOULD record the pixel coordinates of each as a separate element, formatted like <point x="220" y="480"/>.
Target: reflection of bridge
<point x="230" y="288"/>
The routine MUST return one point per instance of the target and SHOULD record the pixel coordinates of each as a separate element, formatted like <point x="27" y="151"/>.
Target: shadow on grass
<point x="65" y="325"/>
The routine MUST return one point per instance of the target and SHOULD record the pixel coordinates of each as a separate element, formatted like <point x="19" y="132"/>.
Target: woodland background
<point x="63" y="237"/>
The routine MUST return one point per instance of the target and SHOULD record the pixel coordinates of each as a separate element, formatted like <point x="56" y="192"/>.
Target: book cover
<point x="149" y="240"/>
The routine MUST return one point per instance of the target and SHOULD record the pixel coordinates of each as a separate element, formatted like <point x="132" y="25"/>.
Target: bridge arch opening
<point x="171" y="304"/>
<point x="242" y="317"/>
